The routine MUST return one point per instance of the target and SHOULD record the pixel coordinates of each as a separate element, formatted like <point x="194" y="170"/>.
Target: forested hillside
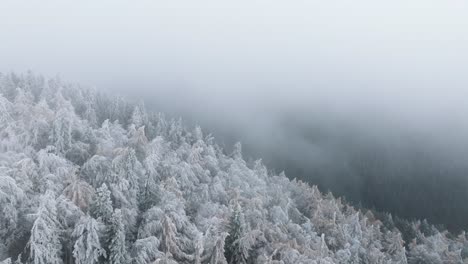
<point x="90" y="178"/>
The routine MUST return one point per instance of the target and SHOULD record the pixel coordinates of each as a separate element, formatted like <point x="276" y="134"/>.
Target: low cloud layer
<point x="359" y="97"/>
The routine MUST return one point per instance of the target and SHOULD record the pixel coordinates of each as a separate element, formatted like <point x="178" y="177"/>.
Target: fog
<point x="364" y="98"/>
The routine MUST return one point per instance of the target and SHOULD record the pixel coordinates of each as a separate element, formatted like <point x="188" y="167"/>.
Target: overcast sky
<point x="279" y="54"/>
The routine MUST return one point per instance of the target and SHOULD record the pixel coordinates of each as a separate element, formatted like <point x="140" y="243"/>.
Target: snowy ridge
<point x="85" y="178"/>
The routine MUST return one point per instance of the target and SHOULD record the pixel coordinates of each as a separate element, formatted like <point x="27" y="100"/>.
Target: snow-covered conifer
<point x="87" y="248"/>
<point x="117" y="246"/>
<point x="233" y="251"/>
<point x="44" y="244"/>
<point x="101" y="206"/>
<point x="79" y="192"/>
<point x="11" y="199"/>
<point x="145" y="250"/>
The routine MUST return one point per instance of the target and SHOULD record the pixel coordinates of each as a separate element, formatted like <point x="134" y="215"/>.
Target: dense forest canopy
<point x="90" y="178"/>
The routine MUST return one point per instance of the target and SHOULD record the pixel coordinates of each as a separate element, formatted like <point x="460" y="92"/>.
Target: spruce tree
<point x="117" y="247"/>
<point x="87" y="248"/>
<point x="101" y="207"/>
<point x="44" y="244"/>
<point x="218" y="254"/>
<point x="232" y="249"/>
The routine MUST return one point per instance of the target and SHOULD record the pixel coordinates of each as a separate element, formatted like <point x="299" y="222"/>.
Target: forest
<point x="86" y="177"/>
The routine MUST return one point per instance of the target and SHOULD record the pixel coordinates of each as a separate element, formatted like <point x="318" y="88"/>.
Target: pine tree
<point x="11" y="197"/>
<point x="394" y="245"/>
<point x="6" y="111"/>
<point x="62" y="126"/>
<point x="44" y="243"/>
<point x="161" y="125"/>
<point x="176" y="131"/>
<point x="96" y="170"/>
<point x="237" y="151"/>
<point x="232" y="249"/>
<point x="139" y="115"/>
<point x="117" y="247"/>
<point x="90" y="113"/>
<point x="168" y="242"/>
<point x="146" y="250"/>
<point x="126" y="166"/>
<point x="87" y="248"/>
<point x="101" y="207"/>
<point x="68" y="216"/>
<point x="218" y="254"/>
<point x="138" y="140"/>
<point x="149" y="193"/>
<point x="198" y="245"/>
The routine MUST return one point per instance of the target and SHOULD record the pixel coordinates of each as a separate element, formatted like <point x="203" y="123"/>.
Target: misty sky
<point x="266" y="72"/>
<point x="241" y="59"/>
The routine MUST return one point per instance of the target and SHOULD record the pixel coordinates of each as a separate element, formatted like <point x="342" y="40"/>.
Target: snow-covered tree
<point x="218" y="254"/>
<point x="62" y="127"/>
<point x="138" y="140"/>
<point x="6" y="111"/>
<point x="139" y="115"/>
<point x="169" y="230"/>
<point x="233" y="249"/>
<point x="44" y="244"/>
<point x="117" y="247"/>
<point x="96" y="171"/>
<point x="79" y="192"/>
<point x="11" y="198"/>
<point x="68" y="215"/>
<point x="87" y="248"/>
<point x="126" y="166"/>
<point x="237" y="151"/>
<point x="149" y="192"/>
<point x="101" y="207"/>
<point x="146" y="250"/>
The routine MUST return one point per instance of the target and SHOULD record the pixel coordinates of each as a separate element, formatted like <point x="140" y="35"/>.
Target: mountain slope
<point x="85" y="178"/>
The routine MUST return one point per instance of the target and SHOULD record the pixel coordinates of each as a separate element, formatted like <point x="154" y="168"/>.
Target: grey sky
<point x="403" y="62"/>
<point x="365" y="53"/>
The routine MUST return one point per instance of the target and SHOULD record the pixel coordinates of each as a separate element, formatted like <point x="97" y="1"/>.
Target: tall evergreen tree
<point x="218" y="254"/>
<point x="11" y="197"/>
<point x="87" y="248"/>
<point x="117" y="246"/>
<point x="232" y="249"/>
<point x="44" y="243"/>
<point x="101" y="207"/>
